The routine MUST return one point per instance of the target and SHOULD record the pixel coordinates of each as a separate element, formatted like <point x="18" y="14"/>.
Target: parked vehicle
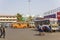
<point x="31" y="25"/>
<point x="19" y="25"/>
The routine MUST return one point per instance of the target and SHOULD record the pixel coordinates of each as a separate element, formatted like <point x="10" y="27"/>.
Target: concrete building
<point x="8" y="18"/>
<point x="53" y="16"/>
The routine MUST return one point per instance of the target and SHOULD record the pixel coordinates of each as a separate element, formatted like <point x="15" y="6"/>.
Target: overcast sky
<point x="37" y="7"/>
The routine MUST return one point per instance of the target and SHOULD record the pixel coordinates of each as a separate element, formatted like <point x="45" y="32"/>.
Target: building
<point x="54" y="11"/>
<point x="8" y="18"/>
<point x="53" y="14"/>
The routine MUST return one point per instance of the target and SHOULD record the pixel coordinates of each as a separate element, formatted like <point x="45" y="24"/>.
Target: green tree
<point x="19" y="17"/>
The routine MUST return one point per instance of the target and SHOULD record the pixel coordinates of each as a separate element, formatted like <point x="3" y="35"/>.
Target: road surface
<point x="29" y="34"/>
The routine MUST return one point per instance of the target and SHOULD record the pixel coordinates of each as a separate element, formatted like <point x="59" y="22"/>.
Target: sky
<point x="36" y="7"/>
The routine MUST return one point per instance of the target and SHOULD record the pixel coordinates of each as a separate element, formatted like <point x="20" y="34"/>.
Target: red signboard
<point x="58" y="15"/>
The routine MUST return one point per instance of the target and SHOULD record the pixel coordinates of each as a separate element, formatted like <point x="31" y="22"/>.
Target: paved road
<point x="29" y="34"/>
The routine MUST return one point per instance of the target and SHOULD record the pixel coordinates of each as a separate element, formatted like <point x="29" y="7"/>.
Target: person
<point x="50" y="28"/>
<point x="2" y="32"/>
<point x="41" y="31"/>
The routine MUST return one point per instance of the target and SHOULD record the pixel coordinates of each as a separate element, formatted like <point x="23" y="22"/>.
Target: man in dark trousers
<point x="2" y="32"/>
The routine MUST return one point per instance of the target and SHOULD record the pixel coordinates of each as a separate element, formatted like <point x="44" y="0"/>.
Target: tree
<point x="19" y="17"/>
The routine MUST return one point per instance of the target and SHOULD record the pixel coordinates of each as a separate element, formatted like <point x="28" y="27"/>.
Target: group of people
<point x="43" y="28"/>
<point x="2" y="31"/>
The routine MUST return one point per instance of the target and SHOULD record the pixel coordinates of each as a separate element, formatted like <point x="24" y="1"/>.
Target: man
<point x="2" y="32"/>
